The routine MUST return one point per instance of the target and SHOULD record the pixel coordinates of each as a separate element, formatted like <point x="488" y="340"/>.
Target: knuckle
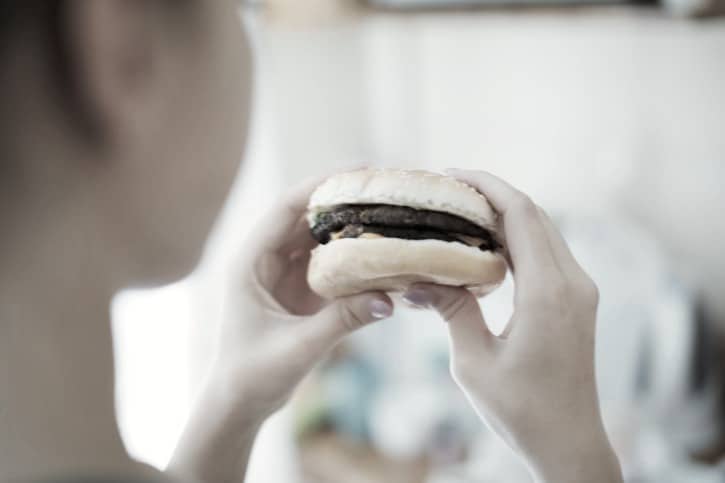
<point x="450" y="307"/>
<point x="562" y="298"/>
<point x="524" y="206"/>
<point x="551" y="298"/>
<point x="350" y="320"/>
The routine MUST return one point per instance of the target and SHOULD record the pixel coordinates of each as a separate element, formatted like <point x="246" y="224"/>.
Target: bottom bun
<point x="353" y="265"/>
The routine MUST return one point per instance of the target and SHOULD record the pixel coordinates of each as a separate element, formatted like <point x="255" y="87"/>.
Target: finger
<point x="296" y="242"/>
<point x="287" y="227"/>
<point x="286" y="221"/>
<point x="292" y="290"/>
<point x="559" y="247"/>
<point x="467" y="328"/>
<point x="342" y="317"/>
<point x="524" y="231"/>
<point x="282" y="232"/>
<point x="286" y="230"/>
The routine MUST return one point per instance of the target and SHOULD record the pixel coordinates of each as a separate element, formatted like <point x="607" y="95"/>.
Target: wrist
<point x="589" y="458"/>
<point x="218" y="436"/>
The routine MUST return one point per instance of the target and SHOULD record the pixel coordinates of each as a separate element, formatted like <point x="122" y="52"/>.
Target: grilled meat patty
<point x="351" y="221"/>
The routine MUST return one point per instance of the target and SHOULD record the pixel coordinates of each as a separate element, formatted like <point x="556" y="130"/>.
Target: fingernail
<point x="417" y="296"/>
<point x="380" y="309"/>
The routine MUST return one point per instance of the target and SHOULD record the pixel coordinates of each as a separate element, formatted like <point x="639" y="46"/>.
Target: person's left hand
<point x="275" y="330"/>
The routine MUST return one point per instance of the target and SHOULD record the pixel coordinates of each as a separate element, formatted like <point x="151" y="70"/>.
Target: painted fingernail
<point x="417" y="296"/>
<point x="380" y="309"/>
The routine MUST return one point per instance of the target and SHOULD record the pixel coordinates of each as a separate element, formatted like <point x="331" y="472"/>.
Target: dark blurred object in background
<point x="686" y="8"/>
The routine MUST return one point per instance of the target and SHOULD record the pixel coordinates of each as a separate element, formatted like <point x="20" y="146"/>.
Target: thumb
<point x="468" y="330"/>
<point x="343" y="316"/>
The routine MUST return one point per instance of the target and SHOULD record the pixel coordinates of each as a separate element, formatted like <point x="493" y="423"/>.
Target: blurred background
<point x="611" y="115"/>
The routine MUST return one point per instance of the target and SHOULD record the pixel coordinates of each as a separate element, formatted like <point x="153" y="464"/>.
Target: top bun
<point x="412" y="188"/>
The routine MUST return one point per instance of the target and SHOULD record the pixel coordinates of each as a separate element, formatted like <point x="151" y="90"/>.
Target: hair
<point x="48" y="18"/>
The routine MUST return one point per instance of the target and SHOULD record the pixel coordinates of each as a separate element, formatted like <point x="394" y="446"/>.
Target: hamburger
<point x="385" y="229"/>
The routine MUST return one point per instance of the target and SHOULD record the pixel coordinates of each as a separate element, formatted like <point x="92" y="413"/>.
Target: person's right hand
<point x="534" y="386"/>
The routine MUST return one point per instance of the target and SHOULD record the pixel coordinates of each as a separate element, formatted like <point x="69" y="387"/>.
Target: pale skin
<point x="83" y="218"/>
<point x="534" y="385"/>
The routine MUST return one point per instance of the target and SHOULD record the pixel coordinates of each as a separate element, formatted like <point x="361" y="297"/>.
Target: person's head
<point x="132" y="112"/>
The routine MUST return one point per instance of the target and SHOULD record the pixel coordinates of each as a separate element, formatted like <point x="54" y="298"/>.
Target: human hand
<point x="534" y="386"/>
<point x="274" y="331"/>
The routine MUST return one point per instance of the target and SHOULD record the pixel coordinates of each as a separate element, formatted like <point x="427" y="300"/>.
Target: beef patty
<point x="351" y="221"/>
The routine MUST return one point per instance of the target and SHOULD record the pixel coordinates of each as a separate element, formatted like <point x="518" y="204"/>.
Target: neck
<point x="57" y="413"/>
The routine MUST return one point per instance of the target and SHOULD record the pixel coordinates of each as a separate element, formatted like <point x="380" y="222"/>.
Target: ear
<point x="114" y="50"/>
